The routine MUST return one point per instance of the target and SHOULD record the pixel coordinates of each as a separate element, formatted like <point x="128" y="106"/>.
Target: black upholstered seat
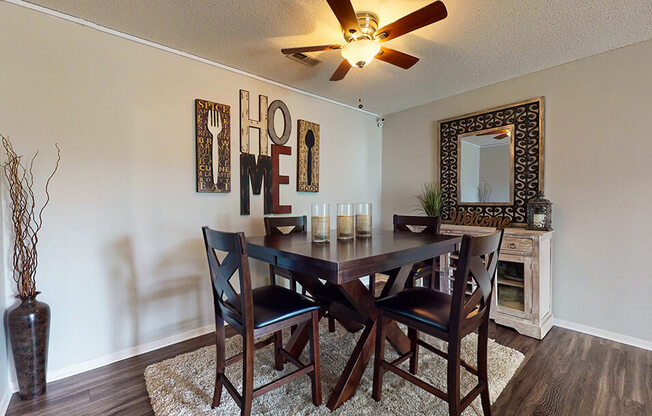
<point x="422" y="304"/>
<point x="275" y="303"/>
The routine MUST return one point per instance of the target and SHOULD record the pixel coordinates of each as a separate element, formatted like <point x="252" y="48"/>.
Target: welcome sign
<point x="463" y="218"/>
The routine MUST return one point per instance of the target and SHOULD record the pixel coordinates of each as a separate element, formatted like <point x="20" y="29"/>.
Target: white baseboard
<point x="119" y="355"/>
<point x="602" y="333"/>
<point x="4" y="401"/>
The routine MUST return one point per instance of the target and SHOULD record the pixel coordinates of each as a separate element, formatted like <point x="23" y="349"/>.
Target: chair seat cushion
<point x="274" y="303"/>
<point x="429" y="306"/>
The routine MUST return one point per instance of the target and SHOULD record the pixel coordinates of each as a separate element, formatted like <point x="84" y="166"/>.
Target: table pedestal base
<point x="352" y="303"/>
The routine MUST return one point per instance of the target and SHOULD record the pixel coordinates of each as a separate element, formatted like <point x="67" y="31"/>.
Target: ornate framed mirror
<point x="491" y="161"/>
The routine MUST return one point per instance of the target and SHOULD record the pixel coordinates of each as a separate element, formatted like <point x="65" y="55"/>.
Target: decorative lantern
<point x="539" y="213"/>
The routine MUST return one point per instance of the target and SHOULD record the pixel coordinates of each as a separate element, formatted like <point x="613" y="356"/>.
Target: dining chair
<point x="427" y="270"/>
<point x="447" y="317"/>
<point x="273" y="226"/>
<point x="254" y="313"/>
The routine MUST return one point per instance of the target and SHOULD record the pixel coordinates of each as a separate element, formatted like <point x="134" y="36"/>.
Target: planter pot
<point x="29" y="328"/>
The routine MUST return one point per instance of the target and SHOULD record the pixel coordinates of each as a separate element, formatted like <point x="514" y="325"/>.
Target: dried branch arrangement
<point x="27" y="220"/>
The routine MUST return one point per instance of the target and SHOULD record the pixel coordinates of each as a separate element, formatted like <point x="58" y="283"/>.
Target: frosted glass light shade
<point x="360" y="52"/>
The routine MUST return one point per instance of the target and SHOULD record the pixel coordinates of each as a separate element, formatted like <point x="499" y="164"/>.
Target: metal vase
<point x="29" y="328"/>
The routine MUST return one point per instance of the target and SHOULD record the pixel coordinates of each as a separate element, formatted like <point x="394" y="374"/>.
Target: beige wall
<point x="598" y="173"/>
<point x="121" y="257"/>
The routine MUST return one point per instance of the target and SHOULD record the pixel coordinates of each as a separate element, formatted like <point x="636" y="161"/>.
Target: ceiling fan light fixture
<point x="360" y="52"/>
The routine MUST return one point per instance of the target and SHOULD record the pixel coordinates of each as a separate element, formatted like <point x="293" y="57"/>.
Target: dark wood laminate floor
<point x="568" y="373"/>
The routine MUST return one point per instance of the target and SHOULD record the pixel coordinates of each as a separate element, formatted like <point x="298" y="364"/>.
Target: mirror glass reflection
<point x="485" y="172"/>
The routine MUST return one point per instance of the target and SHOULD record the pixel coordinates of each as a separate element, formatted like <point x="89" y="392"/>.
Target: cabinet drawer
<point x="523" y="245"/>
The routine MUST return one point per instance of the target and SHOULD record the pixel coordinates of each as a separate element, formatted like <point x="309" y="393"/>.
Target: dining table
<point x="331" y="273"/>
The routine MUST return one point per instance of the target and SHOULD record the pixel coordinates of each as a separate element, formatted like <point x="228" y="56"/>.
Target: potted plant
<point x="430" y="199"/>
<point x="29" y="322"/>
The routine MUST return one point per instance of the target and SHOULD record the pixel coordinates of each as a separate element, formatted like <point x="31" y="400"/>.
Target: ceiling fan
<point x="363" y="37"/>
<point x="499" y="134"/>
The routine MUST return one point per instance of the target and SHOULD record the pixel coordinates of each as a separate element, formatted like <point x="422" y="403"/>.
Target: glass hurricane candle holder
<point x="320" y="222"/>
<point x="345" y="220"/>
<point x="363" y="220"/>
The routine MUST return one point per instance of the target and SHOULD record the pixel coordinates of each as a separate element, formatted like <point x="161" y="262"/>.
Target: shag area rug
<point x="183" y="385"/>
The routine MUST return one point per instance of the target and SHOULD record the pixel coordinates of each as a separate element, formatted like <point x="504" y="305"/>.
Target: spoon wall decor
<point x="310" y="142"/>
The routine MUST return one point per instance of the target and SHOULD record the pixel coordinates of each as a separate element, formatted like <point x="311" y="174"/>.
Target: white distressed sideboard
<point x="522" y="294"/>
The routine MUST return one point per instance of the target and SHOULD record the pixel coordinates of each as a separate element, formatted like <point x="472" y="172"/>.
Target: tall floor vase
<point x="29" y="328"/>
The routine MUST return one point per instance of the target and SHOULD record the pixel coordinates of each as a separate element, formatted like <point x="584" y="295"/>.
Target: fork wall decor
<point x="213" y="144"/>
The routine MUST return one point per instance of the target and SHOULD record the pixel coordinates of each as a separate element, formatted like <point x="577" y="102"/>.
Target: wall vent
<point x="304" y="59"/>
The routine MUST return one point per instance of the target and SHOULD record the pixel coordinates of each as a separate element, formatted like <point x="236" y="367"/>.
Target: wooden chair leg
<point x="278" y="344"/>
<point x="219" y="360"/>
<point x="454" y="400"/>
<point x="247" y="374"/>
<point x="483" y="340"/>
<point x="413" y="334"/>
<point x="379" y="355"/>
<point x="372" y="284"/>
<point x="331" y="323"/>
<point x="315" y="377"/>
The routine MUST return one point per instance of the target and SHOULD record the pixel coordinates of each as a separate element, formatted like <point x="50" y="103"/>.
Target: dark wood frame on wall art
<point x="527" y="117"/>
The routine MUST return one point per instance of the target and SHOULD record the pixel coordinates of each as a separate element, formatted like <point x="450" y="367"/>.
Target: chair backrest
<point x="272" y="225"/>
<point x="233" y="306"/>
<point x="424" y="223"/>
<point x="478" y="260"/>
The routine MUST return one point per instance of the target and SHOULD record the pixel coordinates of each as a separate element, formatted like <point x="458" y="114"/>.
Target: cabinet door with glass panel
<point x="513" y="291"/>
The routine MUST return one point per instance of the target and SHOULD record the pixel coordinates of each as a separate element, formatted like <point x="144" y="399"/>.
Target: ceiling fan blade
<point x="397" y="58"/>
<point x="425" y="16"/>
<point x="289" y="51"/>
<point x="341" y="71"/>
<point x="501" y="136"/>
<point x="344" y="12"/>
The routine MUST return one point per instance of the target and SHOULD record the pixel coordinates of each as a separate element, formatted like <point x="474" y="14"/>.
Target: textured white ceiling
<point x="480" y="43"/>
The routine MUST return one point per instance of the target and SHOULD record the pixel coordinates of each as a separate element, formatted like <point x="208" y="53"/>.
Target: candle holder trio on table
<point x="351" y="221"/>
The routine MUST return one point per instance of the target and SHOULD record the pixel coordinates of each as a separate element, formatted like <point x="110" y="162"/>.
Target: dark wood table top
<point x="341" y="261"/>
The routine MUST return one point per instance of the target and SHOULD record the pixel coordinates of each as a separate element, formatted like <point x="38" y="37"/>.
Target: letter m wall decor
<point x="261" y="180"/>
